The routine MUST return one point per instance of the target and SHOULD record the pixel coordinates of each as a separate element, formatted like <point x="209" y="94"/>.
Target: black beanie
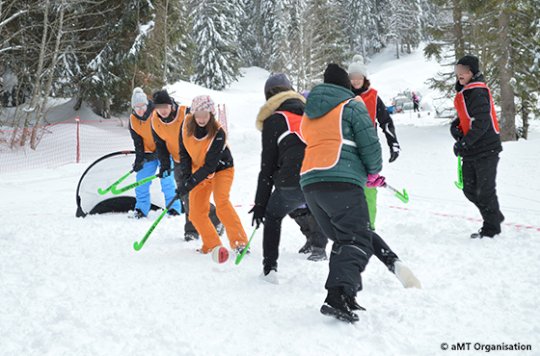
<point x="162" y="98"/>
<point x="334" y="74"/>
<point x="471" y="62"/>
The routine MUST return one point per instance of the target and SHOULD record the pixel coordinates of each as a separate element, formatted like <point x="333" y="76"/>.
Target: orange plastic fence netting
<point x="70" y="141"/>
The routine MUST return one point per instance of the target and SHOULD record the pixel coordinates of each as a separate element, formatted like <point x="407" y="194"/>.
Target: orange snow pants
<point x="199" y="207"/>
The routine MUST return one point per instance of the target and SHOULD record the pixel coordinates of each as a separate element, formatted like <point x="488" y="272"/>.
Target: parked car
<point x="402" y="102"/>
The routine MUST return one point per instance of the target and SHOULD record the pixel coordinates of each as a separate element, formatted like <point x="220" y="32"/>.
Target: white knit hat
<point x="138" y="97"/>
<point x="357" y="66"/>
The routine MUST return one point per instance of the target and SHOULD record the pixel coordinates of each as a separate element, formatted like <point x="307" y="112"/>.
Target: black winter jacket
<point x="383" y="118"/>
<point x="280" y="164"/>
<point x="481" y="138"/>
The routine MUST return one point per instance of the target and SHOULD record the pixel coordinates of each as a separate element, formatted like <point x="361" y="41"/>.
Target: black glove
<point x="258" y="215"/>
<point x="394" y="152"/>
<point x="164" y="172"/>
<point x="138" y="165"/>
<point x="459" y="148"/>
<point x="456" y="132"/>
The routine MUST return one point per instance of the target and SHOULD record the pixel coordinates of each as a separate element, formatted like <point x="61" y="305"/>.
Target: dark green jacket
<point x="355" y="162"/>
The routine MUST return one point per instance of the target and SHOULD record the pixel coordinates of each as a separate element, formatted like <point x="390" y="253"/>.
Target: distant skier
<point x="207" y="169"/>
<point x="416" y="102"/>
<point x="476" y="131"/>
<point x="278" y="188"/>
<point x="166" y="124"/>
<point x="342" y="154"/>
<point x="146" y="161"/>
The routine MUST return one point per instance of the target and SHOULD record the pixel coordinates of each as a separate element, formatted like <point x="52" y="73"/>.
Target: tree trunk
<point x="397" y="48"/>
<point x="459" y="41"/>
<point x="525" y="117"/>
<point x="37" y="84"/>
<point x="136" y="66"/>
<point x="506" y="74"/>
<point x="41" y="113"/>
<point x="165" y="42"/>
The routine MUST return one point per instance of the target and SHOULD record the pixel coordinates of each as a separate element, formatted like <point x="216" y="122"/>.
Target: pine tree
<point x="296" y="41"/>
<point x="274" y="35"/>
<point x="361" y="26"/>
<point x="448" y="34"/>
<point x="525" y="38"/>
<point x="215" y="32"/>
<point x="327" y="38"/>
<point x="251" y="29"/>
<point x="404" y="24"/>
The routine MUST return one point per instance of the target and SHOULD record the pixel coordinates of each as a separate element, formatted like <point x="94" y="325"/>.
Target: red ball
<point x="220" y="254"/>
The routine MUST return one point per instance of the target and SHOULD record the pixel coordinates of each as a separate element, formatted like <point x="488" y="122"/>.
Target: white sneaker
<point x="271" y="277"/>
<point x="405" y="275"/>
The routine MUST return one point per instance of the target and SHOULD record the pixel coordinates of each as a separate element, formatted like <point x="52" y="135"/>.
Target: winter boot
<point x="239" y="248"/>
<point x="270" y="274"/>
<point x="336" y="305"/>
<point x="317" y="254"/>
<point x="173" y="212"/>
<point x="353" y="305"/>
<point x="306" y="248"/>
<point x="138" y="214"/>
<point x="190" y="236"/>
<point x="220" y="229"/>
<point x="405" y="275"/>
<point x="482" y="233"/>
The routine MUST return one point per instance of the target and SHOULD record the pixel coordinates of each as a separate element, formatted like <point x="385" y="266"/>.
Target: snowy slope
<point x="75" y="286"/>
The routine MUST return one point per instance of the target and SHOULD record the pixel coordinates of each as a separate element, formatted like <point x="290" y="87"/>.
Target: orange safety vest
<point x="144" y="129"/>
<point x="465" y="119"/>
<point x="293" y="125"/>
<point x="370" y="99"/>
<point x="324" y="139"/>
<point x="170" y="132"/>
<point x="197" y="148"/>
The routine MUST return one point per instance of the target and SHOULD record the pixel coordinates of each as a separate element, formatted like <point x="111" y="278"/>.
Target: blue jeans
<point x="142" y="192"/>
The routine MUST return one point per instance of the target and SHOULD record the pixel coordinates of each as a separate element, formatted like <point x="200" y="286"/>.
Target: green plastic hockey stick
<point x="117" y="191"/>
<point x="120" y="180"/>
<point x="138" y="245"/>
<point x="240" y="257"/>
<point x="459" y="183"/>
<point x="403" y="196"/>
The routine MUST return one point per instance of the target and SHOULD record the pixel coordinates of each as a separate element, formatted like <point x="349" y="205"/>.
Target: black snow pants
<point x="479" y="175"/>
<point x="283" y="201"/>
<point x="342" y="213"/>
<point x="309" y="227"/>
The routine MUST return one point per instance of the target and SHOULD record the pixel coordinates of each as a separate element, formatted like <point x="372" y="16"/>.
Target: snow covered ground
<point x="73" y="286"/>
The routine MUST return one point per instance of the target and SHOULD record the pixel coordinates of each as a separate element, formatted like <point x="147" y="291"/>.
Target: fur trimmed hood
<point x="273" y="104"/>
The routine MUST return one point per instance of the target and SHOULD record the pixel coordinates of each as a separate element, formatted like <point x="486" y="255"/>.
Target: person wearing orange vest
<point x="476" y="131"/>
<point x="167" y="121"/>
<point x="361" y="86"/>
<point x="278" y="189"/>
<point x="207" y="169"/>
<point x="146" y="161"/>
<point x="343" y="153"/>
